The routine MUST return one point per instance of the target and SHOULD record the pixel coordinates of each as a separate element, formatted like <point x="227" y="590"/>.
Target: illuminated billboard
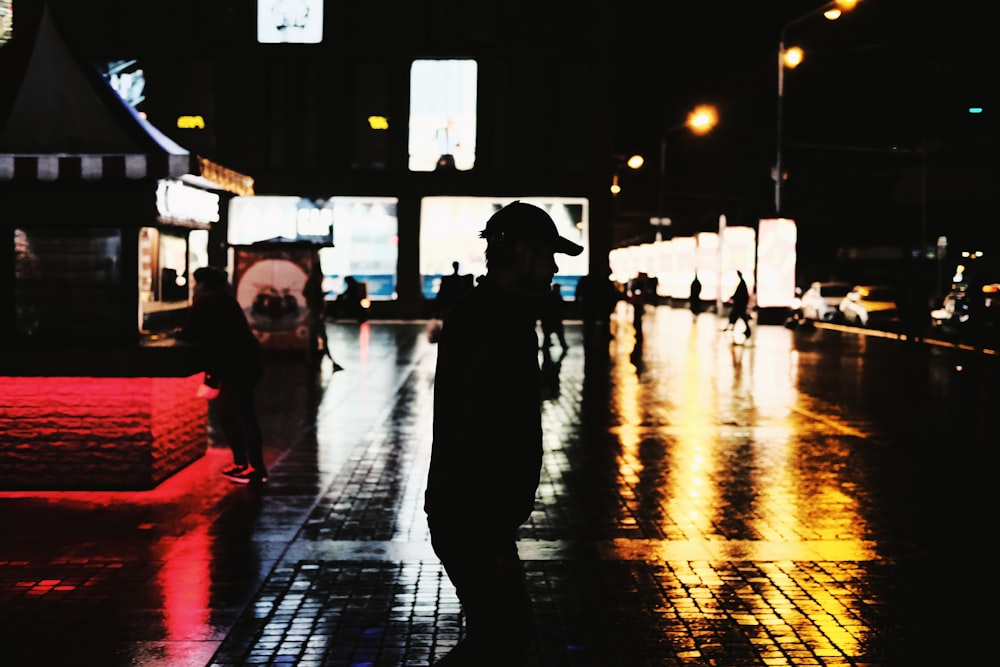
<point x="442" y="131"/>
<point x="739" y="253"/>
<point x="776" y="263"/>
<point x="450" y="226"/>
<point x="364" y="230"/>
<point x="289" y="21"/>
<point x="366" y="245"/>
<point x="707" y="264"/>
<point x="6" y="21"/>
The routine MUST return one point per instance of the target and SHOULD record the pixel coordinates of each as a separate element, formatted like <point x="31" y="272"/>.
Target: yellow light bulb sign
<point x="190" y="122"/>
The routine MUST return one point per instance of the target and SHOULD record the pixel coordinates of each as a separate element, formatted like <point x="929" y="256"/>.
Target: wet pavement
<point x="813" y="497"/>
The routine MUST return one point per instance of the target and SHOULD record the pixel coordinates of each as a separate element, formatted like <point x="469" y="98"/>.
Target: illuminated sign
<point x="776" y="263"/>
<point x="289" y="21"/>
<point x="442" y="130"/>
<point x="191" y="122"/>
<point x="6" y="21"/>
<point x="128" y="80"/>
<point x="177" y="201"/>
<point x="449" y="232"/>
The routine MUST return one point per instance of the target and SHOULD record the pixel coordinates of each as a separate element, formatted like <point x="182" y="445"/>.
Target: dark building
<point x="879" y="145"/>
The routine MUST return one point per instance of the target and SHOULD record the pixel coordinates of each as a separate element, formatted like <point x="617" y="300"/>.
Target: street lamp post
<point x="790" y="58"/>
<point x="700" y="121"/>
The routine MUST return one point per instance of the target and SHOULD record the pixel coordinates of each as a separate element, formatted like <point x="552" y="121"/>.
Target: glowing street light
<point x="633" y="162"/>
<point x="790" y="58"/>
<point x="700" y="121"/>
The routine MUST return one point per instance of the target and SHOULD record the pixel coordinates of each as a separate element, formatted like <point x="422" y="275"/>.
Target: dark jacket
<point x="227" y="347"/>
<point x="741" y="297"/>
<point x="487" y="451"/>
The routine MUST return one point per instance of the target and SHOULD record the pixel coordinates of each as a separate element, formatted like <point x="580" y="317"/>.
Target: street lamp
<point x="633" y="162"/>
<point x="791" y="58"/>
<point x="700" y="121"/>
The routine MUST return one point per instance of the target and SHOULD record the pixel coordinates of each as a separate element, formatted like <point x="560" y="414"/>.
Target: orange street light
<point x="633" y="162"/>
<point x="700" y="121"/>
<point x="790" y="58"/>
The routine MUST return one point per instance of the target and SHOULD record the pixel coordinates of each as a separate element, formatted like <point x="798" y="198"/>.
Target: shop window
<point x="68" y="283"/>
<point x="167" y="259"/>
<point x="366" y="246"/>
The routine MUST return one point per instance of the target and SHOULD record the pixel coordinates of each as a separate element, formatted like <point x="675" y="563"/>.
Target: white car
<point x="875" y="306"/>
<point x="821" y="300"/>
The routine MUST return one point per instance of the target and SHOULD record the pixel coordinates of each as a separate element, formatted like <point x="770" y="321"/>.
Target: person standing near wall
<point x="486" y="454"/>
<point x="231" y="358"/>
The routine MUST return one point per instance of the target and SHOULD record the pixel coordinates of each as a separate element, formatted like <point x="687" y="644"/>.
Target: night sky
<point x="878" y="89"/>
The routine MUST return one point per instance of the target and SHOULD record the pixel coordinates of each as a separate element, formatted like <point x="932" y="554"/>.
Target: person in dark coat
<point x="315" y="298"/>
<point x="740" y="304"/>
<point x="230" y="354"/>
<point x="453" y="286"/>
<point x="487" y="435"/>
<point x="597" y="296"/>
<point x="694" y="301"/>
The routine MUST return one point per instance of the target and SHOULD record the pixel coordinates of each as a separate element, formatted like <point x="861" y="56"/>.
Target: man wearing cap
<point x="487" y="435"/>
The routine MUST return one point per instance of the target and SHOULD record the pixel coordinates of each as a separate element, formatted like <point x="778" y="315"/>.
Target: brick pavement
<point x="701" y="504"/>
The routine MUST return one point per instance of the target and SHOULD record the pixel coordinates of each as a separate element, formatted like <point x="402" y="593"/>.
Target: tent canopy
<point x="60" y="119"/>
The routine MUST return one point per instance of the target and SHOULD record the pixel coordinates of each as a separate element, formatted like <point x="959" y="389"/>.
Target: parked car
<point x="875" y="306"/>
<point x="953" y="313"/>
<point x="821" y="300"/>
<point x="961" y="317"/>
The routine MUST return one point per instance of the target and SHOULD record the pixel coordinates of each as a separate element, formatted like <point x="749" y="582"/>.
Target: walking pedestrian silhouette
<point x="486" y="452"/>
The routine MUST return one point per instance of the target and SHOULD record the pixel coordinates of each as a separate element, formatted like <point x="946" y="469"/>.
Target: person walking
<point x="638" y="294"/>
<point x="452" y="287"/>
<point x="694" y="301"/>
<point x="315" y="298"/>
<point x="230" y="355"/>
<point x="486" y="453"/>
<point x="739" y="304"/>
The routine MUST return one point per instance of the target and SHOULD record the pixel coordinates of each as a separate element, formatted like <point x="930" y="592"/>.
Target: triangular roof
<point x="60" y="118"/>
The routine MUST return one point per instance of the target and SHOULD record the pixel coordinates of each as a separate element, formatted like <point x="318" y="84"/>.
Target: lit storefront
<point x="107" y="220"/>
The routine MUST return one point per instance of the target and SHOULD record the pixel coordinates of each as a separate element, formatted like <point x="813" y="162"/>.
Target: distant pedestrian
<point x="597" y="296"/>
<point x="315" y="296"/>
<point x="452" y="287"/>
<point x="552" y="317"/>
<point x="353" y="301"/>
<point x="487" y="436"/>
<point x="694" y="301"/>
<point x="639" y="292"/>
<point x="740" y="304"/>
<point x="230" y="355"/>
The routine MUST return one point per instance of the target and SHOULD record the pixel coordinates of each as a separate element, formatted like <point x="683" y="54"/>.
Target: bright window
<point x="443" y="115"/>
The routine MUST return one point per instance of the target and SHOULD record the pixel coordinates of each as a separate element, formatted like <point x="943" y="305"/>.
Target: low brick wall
<point x="98" y="433"/>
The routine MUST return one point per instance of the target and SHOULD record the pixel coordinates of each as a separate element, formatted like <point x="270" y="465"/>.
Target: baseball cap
<point x="518" y="221"/>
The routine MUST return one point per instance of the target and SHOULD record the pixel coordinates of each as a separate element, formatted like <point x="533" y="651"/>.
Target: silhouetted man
<point x="487" y="436"/>
<point x="740" y="302"/>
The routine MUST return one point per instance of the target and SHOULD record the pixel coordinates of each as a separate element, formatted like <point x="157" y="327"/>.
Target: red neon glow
<point x="184" y="586"/>
<point x="87" y="432"/>
<point x="364" y="342"/>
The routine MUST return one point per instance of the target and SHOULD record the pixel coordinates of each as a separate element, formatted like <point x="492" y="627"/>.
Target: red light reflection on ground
<point x="364" y="342"/>
<point x="184" y="584"/>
